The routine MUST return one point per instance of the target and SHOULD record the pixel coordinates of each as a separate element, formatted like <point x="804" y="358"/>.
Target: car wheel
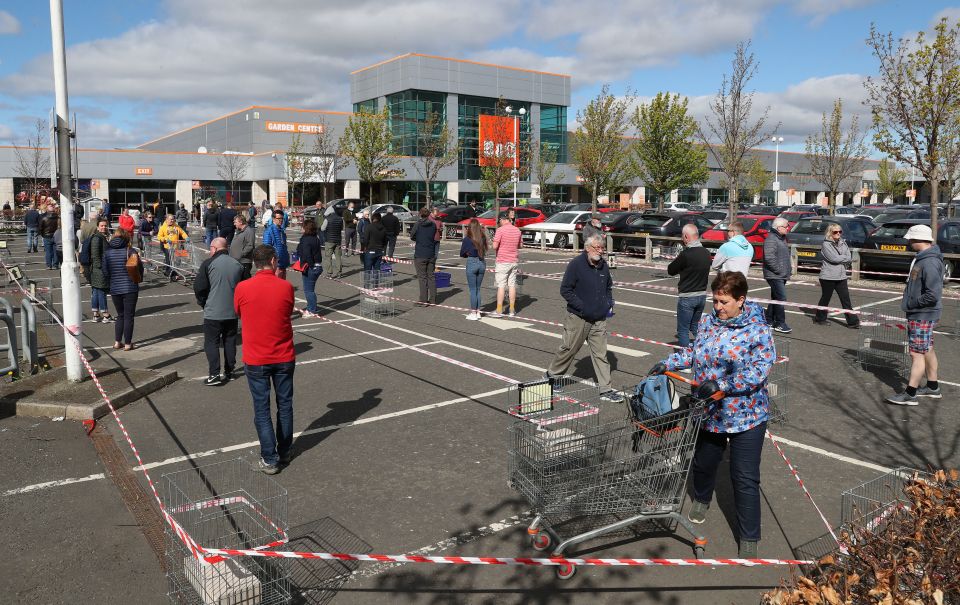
<point x="561" y="241"/>
<point x="948" y="269"/>
<point x="624" y="245"/>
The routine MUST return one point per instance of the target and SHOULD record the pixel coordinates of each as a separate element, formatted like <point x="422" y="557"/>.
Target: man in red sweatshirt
<point x="264" y="304"/>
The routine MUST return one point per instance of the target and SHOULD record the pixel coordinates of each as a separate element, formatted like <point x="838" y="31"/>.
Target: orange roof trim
<point x="532" y="71"/>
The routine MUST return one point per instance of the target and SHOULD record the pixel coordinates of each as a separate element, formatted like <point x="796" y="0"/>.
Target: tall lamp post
<point x="776" y="169"/>
<point x="516" y="147"/>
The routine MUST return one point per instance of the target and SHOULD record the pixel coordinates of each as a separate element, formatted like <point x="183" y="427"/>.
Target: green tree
<point x="367" y="142"/>
<point x="730" y="132"/>
<point x="597" y="147"/>
<point x="545" y="170"/>
<point x="665" y="156"/>
<point x="436" y="149"/>
<point x="914" y="98"/>
<point x="757" y="178"/>
<point x="501" y="153"/>
<point x="891" y="181"/>
<point x="836" y="156"/>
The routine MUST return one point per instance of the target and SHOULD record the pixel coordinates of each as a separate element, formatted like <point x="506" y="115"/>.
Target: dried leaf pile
<point x="913" y="558"/>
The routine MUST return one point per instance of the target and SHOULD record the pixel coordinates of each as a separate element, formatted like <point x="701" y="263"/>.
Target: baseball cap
<point x="920" y="233"/>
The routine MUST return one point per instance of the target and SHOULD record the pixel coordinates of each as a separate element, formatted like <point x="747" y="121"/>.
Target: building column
<point x="638" y="196"/>
<point x="185" y="193"/>
<point x="6" y="191"/>
<point x="453" y="190"/>
<point x="278" y="192"/>
<point x="674" y="196"/>
<point x="704" y="196"/>
<point x="259" y="190"/>
<point x="351" y="189"/>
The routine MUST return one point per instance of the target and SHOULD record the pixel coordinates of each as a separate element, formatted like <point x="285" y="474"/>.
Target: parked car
<point x="811" y="231"/>
<point x="814" y="208"/>
<point x="557" y="230"/>
<point x="665" y="224"/>
<point x="455" y="214"/>
<point x="845" y="210"/>
<point x="525" y="216"/>
<point x="890" y="236"/>
<point x="401" y="212"/>
<point x="795" y="215"/>
<point x="341" y="203"/>
<point x="767" y="210"/>
<point x="756" y="228"/>
<point x="714" y="216"/>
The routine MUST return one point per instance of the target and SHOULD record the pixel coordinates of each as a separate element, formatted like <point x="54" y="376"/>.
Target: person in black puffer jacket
<point x="49" y="223"/>
<point x="693" y="267"/>
<point x="373" y="243"/>
<point x="123" y="290"/>
<point x="309" y="252"/>
<point x="424" y="257"/>
<point x="333" y="235"/>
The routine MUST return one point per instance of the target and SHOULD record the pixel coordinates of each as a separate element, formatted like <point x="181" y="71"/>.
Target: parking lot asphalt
<point x="402" y="445"/>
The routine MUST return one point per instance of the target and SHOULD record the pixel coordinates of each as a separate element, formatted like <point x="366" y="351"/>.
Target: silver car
<point x="400" y="211"/>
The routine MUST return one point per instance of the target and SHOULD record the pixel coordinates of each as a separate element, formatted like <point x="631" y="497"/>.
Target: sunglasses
<point x="837" y="232"/>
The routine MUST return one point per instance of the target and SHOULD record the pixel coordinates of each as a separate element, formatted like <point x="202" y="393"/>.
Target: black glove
<point x="660" y="368"/>
<point x="707" y="389"/>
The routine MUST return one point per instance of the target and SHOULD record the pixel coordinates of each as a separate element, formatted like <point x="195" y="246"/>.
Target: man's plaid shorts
<point x="920" y="335"/>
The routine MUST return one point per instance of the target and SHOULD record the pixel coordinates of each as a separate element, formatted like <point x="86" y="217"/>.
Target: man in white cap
<point x="922" y="305"/>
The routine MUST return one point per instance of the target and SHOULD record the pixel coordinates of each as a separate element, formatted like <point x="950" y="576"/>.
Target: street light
<point x="516" y="147"/>
<point x="776" y="169"/>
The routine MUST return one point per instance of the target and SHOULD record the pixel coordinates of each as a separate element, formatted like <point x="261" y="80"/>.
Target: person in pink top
<point x="507" y="242"/>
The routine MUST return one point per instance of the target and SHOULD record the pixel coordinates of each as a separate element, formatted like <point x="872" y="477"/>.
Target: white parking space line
<point x="351" y="355"/>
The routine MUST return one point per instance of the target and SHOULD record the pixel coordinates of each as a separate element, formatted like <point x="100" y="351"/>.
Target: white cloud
<point x="9" y="25"/>
<point x="6" y="135"/>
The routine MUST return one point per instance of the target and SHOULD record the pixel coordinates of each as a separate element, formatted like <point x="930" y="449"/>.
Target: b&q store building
<point x="184" y="166"/>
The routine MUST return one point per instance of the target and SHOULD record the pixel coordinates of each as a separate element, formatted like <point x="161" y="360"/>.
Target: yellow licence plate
<point x="892" y="247"/>
<point x="808" y="254"/>
<point x="642" y="234"/>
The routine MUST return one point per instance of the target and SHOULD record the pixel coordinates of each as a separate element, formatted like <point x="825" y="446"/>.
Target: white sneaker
<point x="472" y="317"/>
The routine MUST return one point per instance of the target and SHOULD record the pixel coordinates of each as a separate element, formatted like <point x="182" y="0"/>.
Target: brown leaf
<point x="938" y="594"/>
<point x="831" y="595"/>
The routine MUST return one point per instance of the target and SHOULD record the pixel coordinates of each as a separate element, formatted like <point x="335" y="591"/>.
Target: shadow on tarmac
<point x="339" y="412"/>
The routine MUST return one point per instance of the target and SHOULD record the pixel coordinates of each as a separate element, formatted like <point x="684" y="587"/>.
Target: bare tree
<point x="545" y="170"/>
<point x="436" y="149"/>
<point x="835" y="155"/>
<point x="300" y="168"/>
<point x="326" y="148"/>
<point x="33" y="160"/>
<point x="232" y="167"/>
<point x="757" y="178"/>
<point x="598" y="149"/>
<point x="914" y="98"/>
<point x="731" y="132"/>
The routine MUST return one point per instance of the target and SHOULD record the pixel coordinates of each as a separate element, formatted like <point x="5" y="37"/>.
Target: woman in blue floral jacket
<point x="733" y="353"/>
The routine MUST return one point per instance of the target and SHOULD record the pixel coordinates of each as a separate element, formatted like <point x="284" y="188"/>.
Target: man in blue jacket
<point x="588" y="290"/>
<point x="922" y="305"/>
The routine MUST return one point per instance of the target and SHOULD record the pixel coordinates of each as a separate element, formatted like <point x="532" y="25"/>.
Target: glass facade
<point x="368" y="106"/>
<point x="553" y="130"/>
<point x="408" y="110"/>
<point x="413" y="194"/>
<point x="690" y="196"/>
<point x="469" y="110"/>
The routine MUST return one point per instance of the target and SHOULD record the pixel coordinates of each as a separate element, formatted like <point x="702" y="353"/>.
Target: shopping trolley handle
<point x="717" y="396"/>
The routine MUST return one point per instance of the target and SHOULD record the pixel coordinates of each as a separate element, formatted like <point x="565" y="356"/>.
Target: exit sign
<point x="143" y="171"/>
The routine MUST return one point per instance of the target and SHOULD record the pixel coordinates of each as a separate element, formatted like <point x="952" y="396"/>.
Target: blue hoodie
<point x="738" y="354"/>
<point x="924" y="291"/>
<point x="735" y="255"/>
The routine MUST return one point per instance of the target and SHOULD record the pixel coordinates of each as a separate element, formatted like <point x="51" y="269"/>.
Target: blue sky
<point x="140" y="69"/>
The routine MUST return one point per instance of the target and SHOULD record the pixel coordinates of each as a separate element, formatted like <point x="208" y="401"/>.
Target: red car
<point x="796" y="215"/>
<point x="756" y="228"/>
<point x="525" y="216"/>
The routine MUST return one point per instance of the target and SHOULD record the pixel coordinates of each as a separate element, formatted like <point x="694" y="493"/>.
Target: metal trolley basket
<point x="594" y="478"/>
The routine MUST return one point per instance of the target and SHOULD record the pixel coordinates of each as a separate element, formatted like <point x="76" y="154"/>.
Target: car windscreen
<point x="885" y="217"/>
<point x="609" y="218"/>
<point x="794" y="216"/>
<point x="649" y="222"/>
<point x="748" y="224"/>
<point x="563" y="217"/>
<point x="892" y="230"/>
<point x="811" y="226"/>
<point x="489" y="214"/>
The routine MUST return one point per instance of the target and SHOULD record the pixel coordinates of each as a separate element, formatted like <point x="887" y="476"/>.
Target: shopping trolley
<point x="585" y="478"/>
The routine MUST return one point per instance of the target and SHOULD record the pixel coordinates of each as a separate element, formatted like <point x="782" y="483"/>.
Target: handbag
<point x="301" y="267"/>
<point x="133" y="268"/>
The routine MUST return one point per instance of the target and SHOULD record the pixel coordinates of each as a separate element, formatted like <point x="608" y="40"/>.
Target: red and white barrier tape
<point x="521" y="561"/>
<point x="796" y="475"/>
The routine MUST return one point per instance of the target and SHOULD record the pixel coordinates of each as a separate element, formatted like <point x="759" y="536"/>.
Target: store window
<point x="368" y="106"/>
<point x="689" y="196"/>
<point x="408" y="111"/>
<point x="553" y="130"/>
